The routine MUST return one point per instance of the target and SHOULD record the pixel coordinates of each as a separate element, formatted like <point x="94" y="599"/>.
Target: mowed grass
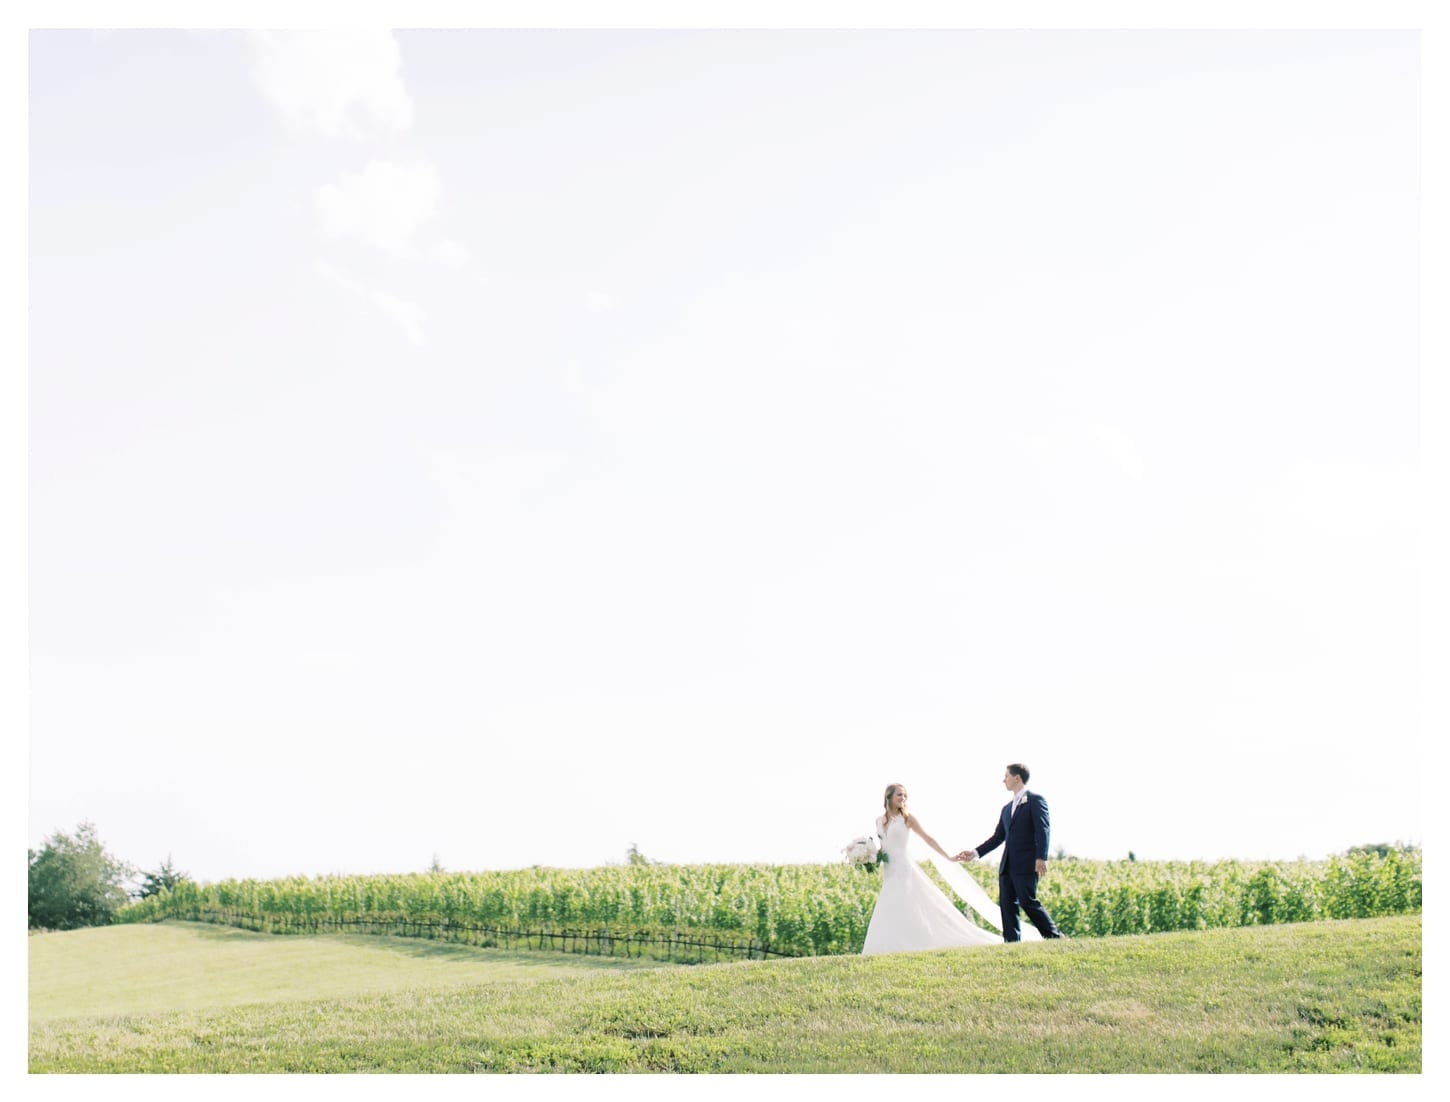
<point x="195" y="966"/>
<point x="1315" y="997"/>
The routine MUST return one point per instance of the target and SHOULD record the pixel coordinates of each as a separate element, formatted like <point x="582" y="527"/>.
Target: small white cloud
<point x="383" y="205"/>
<point x="598" y="302"/>
<point x="407" y="314"/>
<point x="338" y="278"/>
<point x="323" y="80"/>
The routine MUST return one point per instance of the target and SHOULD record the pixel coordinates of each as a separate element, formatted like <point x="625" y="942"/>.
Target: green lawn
<point x="1316" y="997"/>
<point x="195" y="966"/>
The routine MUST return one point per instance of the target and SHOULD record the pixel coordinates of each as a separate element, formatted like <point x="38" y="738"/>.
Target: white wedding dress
<point x="911" y="912"/>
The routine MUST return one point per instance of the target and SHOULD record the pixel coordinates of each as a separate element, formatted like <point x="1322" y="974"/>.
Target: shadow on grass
<point x="423" y="948"/>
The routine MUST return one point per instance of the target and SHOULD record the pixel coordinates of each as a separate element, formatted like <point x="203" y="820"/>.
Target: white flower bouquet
<point x="865" y="850"/>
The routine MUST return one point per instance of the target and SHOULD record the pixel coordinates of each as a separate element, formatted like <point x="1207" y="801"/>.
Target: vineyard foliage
<point x="795" y="909"/>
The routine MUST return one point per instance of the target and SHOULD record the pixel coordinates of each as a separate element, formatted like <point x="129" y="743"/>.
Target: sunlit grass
<point x="1324" y="996"/>
<point x="195" y="966"/>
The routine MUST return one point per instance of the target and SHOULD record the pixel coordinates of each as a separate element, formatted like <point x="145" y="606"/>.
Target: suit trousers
<point x="1020" y="890"/>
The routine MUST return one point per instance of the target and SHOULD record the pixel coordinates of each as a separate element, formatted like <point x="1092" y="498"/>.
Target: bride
<point x="911" y="912"/>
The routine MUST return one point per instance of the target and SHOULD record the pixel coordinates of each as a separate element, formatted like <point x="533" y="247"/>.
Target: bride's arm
<point x="927" y="838"/>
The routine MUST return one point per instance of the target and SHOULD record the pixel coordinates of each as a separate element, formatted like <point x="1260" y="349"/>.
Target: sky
<point x="508" y="447"/>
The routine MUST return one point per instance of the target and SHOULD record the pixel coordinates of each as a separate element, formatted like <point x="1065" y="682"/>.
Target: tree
<point x="162" y="880"/>
<point x="1379" y="849"/>
<point x="636" y="858"/>
<point x="74" y="882"/>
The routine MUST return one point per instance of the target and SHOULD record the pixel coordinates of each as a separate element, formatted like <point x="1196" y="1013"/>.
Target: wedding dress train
<point x="912" y="913"/>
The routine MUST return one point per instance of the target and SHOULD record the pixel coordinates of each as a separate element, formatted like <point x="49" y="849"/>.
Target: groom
<point x="1023" y="826"/>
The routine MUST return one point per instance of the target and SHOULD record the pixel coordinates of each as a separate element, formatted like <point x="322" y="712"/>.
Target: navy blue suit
<point x="1026" y="835"/>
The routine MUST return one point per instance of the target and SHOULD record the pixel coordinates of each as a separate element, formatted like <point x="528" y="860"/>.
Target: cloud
<point x="407" y="314"/>
<point x="325" y="80"/>
<point x="349" y="83"/>
<point x="383" y="206"/>
<point x="338" y="278"/>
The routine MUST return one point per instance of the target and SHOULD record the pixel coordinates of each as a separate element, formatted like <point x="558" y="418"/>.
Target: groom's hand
<point x="965" y="856"/>
<point x="1041" y="867"/>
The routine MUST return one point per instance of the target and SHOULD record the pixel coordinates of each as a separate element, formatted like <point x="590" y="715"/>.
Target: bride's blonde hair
<point x="891" y="790"/>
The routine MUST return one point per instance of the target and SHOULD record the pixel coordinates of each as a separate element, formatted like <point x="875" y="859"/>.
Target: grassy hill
<point x="1324" y="996"/>
<point x="115" y="970"/>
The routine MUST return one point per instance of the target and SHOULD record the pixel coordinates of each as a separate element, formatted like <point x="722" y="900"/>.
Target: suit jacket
<point x="1025" y="833"/>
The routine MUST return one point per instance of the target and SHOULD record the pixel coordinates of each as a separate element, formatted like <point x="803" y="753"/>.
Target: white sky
<point x="512" y="446"/>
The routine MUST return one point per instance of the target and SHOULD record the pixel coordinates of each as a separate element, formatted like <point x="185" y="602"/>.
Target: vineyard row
<point x="798" y="910"/>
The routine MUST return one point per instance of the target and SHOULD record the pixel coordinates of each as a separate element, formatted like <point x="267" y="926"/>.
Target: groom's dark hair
<point x="1021" y="770"/>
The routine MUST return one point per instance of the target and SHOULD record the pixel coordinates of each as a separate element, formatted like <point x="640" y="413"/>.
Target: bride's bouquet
<point x="865" y="850"/>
